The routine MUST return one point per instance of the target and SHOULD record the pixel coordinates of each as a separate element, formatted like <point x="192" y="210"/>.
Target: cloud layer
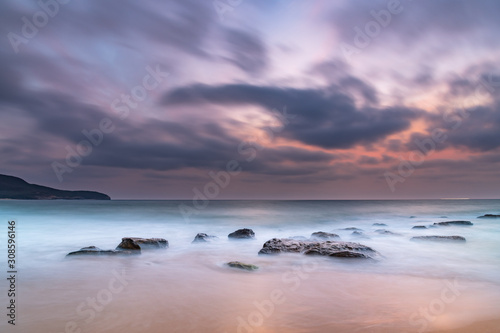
<point x="266" y="84"/>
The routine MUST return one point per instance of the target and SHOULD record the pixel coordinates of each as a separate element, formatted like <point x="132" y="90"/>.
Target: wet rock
<point x="419" y="227"/>
<point x="299" y="238"/>
<point x="379" y="225"/>
<point x="203" y="238"/>
<point x="386" y="232"/>
<point x="439" y="238"/>
<point x="322" y="248"/>
<point x="95" y="251"/>
<point x="324" y="235"/>
<point x="240" y="265"/>
<point x="489" y="216"/>
<point x="448" y="223"/>
<point x="242" y="234"/>
<point x="359" y="234"/>
<point x="352" y="228"/>
<point x="137" y="243"/>
<point x="412" y="217"/>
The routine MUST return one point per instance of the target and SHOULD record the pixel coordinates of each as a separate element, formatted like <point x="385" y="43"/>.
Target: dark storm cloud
<point x="476" y="129"/>
<point x="367" y="91"/>
<point x="323" y="117"/>
<point x="248" y="52"/>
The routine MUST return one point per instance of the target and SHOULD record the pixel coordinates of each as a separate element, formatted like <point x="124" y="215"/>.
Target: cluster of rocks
<point x="323" y="248"/>
<point x="442" y="238"/>
<point x="319" y="243"/>
<point x="128" y="246"/>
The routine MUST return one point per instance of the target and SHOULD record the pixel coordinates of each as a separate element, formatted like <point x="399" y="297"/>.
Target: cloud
<point x="324" y="118"/>
<point x="422" y="19"/>
<point x="248" y="52"/>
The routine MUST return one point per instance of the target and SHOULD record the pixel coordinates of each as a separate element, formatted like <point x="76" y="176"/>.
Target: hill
<point x="16" y="188"/>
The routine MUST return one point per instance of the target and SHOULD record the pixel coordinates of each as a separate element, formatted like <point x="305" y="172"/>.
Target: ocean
<point x="414" y="287"/>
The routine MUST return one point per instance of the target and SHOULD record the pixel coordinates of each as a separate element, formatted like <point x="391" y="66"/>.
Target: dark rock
<point x="443" y="217"/>
<point x="299" y="238"/>
<point x="240" y="265"/>
<point x="448" y="223"/>
<point x="412" y="217"/>
<point x="324" y="235"/>
<point x="379" y="224"/>
<point x="95" y="251"/>
<point x="137" y="243"/>
<point x="489" y="216"/>
<point x="352" y="228"/>
<point x="203" y="238"/>
<point x="419" y="227"/>
<point x="242" y="234"/>
<point x="386" y="232"/>
<point x="323" y="248"/>
<point x="439" y="238"/>
<point x="360" y="234"/>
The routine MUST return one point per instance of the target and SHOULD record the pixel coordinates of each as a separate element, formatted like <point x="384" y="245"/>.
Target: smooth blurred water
<point x="187" y="288"/>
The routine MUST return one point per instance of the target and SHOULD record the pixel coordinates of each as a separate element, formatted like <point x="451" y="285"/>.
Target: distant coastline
<point x="15" y="188"/>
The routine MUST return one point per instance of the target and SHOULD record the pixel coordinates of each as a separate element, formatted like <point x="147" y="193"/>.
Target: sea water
<point x="415" y="287"/>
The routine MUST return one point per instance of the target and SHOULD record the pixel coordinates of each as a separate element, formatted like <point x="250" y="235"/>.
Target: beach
<point x="412" y="287"/>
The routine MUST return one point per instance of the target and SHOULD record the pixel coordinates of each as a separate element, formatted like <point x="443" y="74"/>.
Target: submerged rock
<point x="419" y="227"/>
<point x="242" y="234"/>
<point x="439" y="238"/>
<point x="324" y="235"/>
<point x="137" y="243"/>
<point x="323" y="248"/>
<point x="359" y="234"/>
<point x="386" y="232"/>
<point x="203" y="238"/>
<point x="299" y="238"/>
<point x="95" y="251"/>
<point x="489" y="216"/>
<point x="240" y="265"/>
<point x="448" y="223"/>
<point x="379" y="225"/>
<point x="352" y="228"/>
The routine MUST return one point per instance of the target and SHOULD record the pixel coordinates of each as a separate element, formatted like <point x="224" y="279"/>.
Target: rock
<point x="324" y="235"/>
<point x="360" y="234"/>
<point x="299" y="238"/>
<point x="242" y="234"/>
<point x="439" y="238"/>
<point x="352" y="228"/>
<point x="412" y="217"/>
<point x="489" y="216"/>
<point x="448" y="223"/>
<point x="240" y="265"/>
<point x="386" y="232"/>
<point x="379" y="224"/>
<point x="137" y="243"/>
<point x="203" y="238"/>
<point x="323" y="248"/>
<point x="419" y="227"/>
<point x="95" y="251"/>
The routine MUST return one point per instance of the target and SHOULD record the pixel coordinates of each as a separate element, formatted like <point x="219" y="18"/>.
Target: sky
<point x="253" y="99"/>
